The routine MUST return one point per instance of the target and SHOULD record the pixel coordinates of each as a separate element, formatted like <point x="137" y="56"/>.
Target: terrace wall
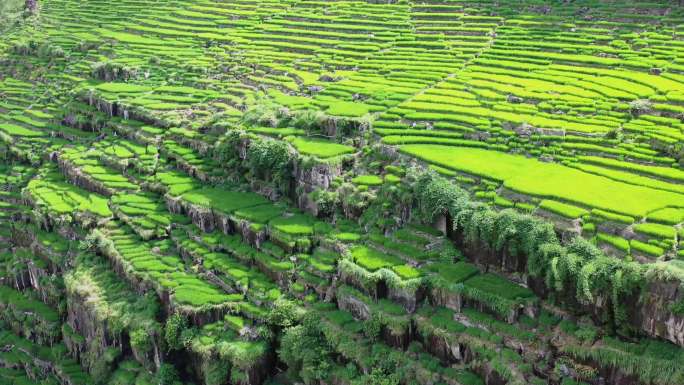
<point x="649" y="312"/>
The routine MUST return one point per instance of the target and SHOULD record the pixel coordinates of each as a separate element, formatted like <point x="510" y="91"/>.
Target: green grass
<point x="663" y="172"/>
<point x="372" y="259"/>
<point x="63" y="198"/>
<point x="16" y="300"/>
<point x="347" y="236"/>
<point x="177" y="183"/>
<point x="563" y="209"/>
<point x="646" y="248"/>
<point x="442" y="318"/>
<point x="261" y="213"/>
<point x="618" y="242"/>
<point x="367" y="180"/>
<point x="406" y="271"/>
<point x="452" y="68"/>
<point x="630" y="178"/>
<point x="407" y="235"/>
<point x="499" y="286"/>
<point x="199" y="294"/>
<point x="548" y="180"/>
<point x="122" y="88"/>
<point x="223" y="200"/>
<point x="298" y="224"/>
<point x="605" y="215"/>
<point x="152" y="262"/>
<point x="669" y="216"/>
<point x="320" y="148"/>
<point x="109" y="296"/>
<point x="14" y="130"/>
<point x="348" y="109"/>
<point x="656" y="230"/>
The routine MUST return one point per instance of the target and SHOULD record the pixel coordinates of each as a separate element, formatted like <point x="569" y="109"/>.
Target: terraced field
<point x="278" y="192"/>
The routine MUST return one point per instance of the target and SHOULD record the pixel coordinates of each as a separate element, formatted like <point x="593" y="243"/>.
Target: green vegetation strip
<point x="548" y="180"/>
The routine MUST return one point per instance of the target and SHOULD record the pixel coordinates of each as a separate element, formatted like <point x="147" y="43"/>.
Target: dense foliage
<point x="341" y="192"/>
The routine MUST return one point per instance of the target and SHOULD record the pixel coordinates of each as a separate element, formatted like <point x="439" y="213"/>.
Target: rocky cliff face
<point x="654" y="312"/>
<point x="80" y="179"/>
<point x="99" y="337"/>
<point x="651" y="311"/>
<point x="310" y="178"/>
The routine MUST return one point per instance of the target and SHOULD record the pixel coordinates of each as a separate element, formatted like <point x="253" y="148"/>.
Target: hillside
<point x="282" y="192"/>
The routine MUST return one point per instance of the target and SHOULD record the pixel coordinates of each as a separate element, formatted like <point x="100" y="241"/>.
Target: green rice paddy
<point x="344" y="192"/>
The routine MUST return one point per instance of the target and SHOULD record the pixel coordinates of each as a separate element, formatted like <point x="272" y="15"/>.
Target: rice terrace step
<point x="341" y="192"/>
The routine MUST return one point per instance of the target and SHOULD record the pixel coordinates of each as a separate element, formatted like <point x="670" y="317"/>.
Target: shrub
<point x="168" y="375"/>
<point x="305" y="351"/>
<point x="284" y="314"/>
<point x="271" y="160"/>
<point x="173" y="331"/>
